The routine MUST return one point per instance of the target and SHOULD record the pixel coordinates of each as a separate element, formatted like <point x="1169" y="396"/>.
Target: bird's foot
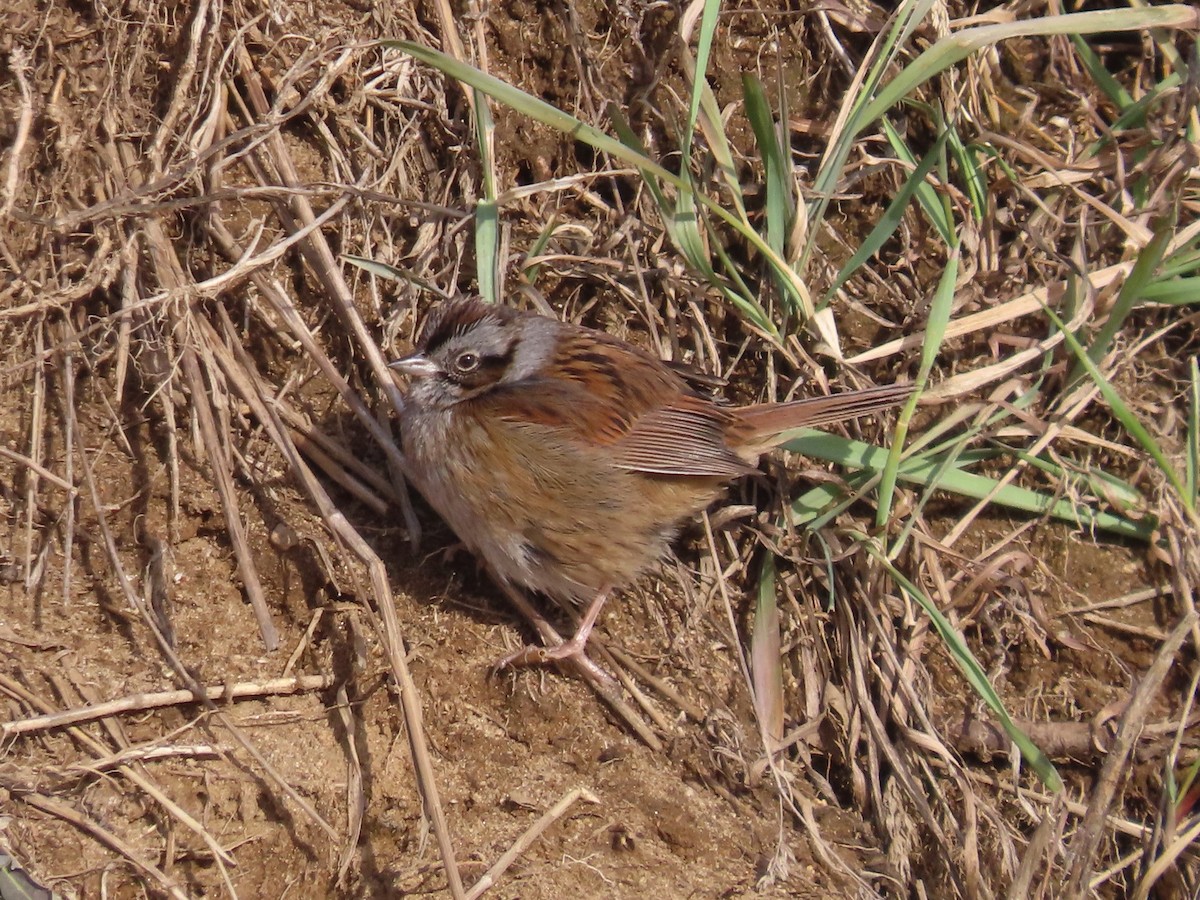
<point x="572" y="653"/>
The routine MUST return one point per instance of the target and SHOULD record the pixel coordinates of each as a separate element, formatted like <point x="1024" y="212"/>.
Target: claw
<point x="570" y="652"/>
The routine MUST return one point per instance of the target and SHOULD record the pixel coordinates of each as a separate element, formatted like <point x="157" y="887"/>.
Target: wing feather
<point x="686" y="438"/>
<point x="631" y="405"/>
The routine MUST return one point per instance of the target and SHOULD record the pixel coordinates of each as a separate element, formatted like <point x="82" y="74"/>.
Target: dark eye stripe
<point x="489" y="370"/>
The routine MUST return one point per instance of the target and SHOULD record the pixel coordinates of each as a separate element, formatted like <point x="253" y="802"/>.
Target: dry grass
<point x="188" y="358"/>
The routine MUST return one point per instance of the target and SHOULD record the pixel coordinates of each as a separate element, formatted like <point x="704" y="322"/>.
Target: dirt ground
<point x="112" y="525"/>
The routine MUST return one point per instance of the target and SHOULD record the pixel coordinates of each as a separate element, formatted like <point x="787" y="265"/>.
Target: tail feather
<point x="766" y="420"/>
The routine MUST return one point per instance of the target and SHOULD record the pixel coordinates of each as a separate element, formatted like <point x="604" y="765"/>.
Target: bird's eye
<point x="466" y="362"/>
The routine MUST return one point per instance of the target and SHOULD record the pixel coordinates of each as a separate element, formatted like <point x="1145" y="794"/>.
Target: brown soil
<point x="698" y="817"/>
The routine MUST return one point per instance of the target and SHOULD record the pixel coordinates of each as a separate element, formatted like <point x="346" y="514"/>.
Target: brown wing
<point x="604" y="393"/>
<point x="686" y="437"/>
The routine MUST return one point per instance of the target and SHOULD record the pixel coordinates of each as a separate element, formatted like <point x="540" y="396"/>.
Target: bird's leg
<point x="558" y="650"/>
<point x="606" y="688"/>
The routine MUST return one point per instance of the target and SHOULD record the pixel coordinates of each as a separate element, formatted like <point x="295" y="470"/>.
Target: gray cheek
<point x="536" y="346"/>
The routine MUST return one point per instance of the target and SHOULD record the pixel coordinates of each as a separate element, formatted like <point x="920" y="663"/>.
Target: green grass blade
<point x="972" y="670"/>
<point x="541" y="111"/>
<point x="487" y="213"/>
<point x="766" y="669"/>
<point x="935" y="333"/>
<point x="1143" y="274"/>
<point x="1184" y="260"/>
<point x="714" y="130"/>
<point x="487" y="250"/>
<point x="933" y="205"/>
<point x="383" y="270"/>
<point x="958" y="46"/>
<point x="531" y="106"/>
<point x="778" y="185"/>
<point x="1125" y="415"/>
<point x="708" y="28"/>
<point x="882" y="56"/>
<point x="973" y="176"/>
<point x="530" y="272"/>
<point x="1193" y="434"/>
<point x="1176" y="292"/>
<point x="629" y="138"/>
<point x="1117" y="95"/>
<point x="1134" y="115"/>
<point x="15" y="884"/>
<point x="485" y="135"/>
<point x="890" y="221"/>
<point x="927" y="471"/>
<point x="682" y="228"/>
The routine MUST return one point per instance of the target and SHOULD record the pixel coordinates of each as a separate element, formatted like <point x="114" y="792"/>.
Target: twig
<point x="223" y="479"/>
<point x="1081" y="853"/>
<point x="1168" y="858"/>
<point x="304" y="433"/>
<point x="172" y="658"/>
<point x="1147" y="632"/>
<point x="181" y="95"/>
<point x="18" y="65"/>
<point x="523" y="843"/>
<point x="305" y="639"/>
<point x="1124" y="601"/>
<point x="170" y="275"/>
<point x="987" y="320"/>
<point x="335" y="465"/>
<point x="70" y="425"/>
<point x="390" y="634"/>
<point x="36" y="433"/>
<point x="140" y="702"/>
<point x="665" y="688"/>
<point x="885" y="747"/>
<point x="356" y="798"/>
<point x="139" y="778"/>
<point x="107" y="838"/>
<point x="296" y="215"/>
<point x="341" y="475"/>
<point x="149" y="753"/>
<point x="631" y="685"/>
<point x="1034" y="855"/>
<point x="40" y="470"/>
<point x="286" y="310"/>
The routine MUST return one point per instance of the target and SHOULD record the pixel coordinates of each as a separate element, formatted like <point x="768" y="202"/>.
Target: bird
<point x="567" y="459"/>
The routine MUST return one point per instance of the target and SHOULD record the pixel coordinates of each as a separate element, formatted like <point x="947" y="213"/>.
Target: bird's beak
<point x="415" y="366"/>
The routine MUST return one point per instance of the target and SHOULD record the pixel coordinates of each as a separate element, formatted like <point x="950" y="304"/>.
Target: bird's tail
<point x="766" y="420"/>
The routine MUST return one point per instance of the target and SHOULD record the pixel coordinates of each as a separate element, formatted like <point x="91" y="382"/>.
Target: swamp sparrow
<point x="567" y="458"/>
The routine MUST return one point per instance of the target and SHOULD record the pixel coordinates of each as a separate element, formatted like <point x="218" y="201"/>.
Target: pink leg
<point x="601" y="682"/>
<point x="564" y="650"/>
<point x="572" y="650"/>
